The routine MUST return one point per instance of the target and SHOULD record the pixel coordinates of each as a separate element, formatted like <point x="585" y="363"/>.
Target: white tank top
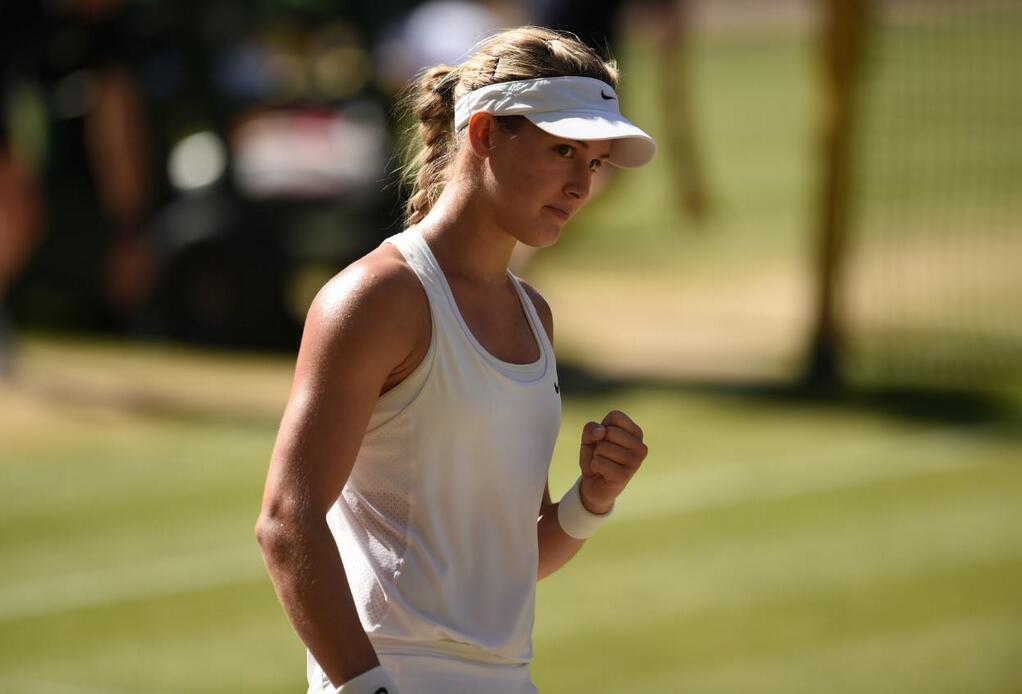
<point x="436" y="525"/>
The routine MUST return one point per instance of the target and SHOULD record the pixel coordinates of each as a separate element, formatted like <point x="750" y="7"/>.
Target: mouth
<point x="562" y="214"/>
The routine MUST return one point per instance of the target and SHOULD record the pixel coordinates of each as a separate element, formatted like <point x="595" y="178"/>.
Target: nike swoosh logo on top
<point x="608" y="98"/>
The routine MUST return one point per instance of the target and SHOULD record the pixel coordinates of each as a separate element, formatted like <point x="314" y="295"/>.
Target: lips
<point x="563" y="214"/>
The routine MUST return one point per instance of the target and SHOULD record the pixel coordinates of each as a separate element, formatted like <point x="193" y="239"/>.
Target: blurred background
<point x="811" y="301"/>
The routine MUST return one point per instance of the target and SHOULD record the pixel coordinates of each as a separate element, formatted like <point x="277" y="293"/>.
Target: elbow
<point x="280" y="535"/>
<point x="272" y="535"/>
<point x="265" y="529"/>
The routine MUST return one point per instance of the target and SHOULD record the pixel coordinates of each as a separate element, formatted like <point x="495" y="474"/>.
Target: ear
<point x="482" y="130"/>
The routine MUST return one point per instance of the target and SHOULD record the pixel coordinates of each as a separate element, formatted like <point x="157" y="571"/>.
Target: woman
<point x="407" y="515"/>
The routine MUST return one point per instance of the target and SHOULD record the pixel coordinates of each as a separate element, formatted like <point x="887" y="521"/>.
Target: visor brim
<point x="630" y="147"/>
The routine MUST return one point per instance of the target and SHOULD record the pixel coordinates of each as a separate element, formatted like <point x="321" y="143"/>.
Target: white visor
<point x="575" y="108"/>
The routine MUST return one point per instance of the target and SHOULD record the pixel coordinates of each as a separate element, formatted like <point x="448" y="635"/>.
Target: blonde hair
<point x="527" y="52"/>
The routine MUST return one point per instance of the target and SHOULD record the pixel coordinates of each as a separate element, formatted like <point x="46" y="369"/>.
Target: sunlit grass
<point x="768" y="543"/>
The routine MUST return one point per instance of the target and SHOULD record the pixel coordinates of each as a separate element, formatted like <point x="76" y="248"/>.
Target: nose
<point x="578" y="186"/>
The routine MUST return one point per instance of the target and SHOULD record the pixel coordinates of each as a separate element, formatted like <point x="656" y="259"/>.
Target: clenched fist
<point x="612" y="451"/>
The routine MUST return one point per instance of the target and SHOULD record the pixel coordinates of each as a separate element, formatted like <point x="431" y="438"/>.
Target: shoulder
<point x="542" y="308"/>
<point x="381" y="276"/>
<point x="377" y="298"/>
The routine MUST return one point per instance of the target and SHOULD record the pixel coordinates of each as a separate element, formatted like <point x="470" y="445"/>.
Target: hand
<point x="611" y="453"/>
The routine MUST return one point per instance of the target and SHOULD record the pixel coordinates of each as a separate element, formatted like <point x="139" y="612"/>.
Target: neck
<point x="466" y="241"/>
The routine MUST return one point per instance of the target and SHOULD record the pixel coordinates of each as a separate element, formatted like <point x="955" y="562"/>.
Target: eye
<point x="566" y="151"/>
<point x="595" y="165"/>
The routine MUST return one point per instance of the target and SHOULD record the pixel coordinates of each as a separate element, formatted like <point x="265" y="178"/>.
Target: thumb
<point x="591" y="433"/>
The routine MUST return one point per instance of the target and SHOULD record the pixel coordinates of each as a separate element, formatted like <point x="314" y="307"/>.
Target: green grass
<point x="769" y="544"/>
<point x="777" y="567"/>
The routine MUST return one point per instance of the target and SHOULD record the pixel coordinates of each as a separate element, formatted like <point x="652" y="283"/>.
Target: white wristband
<point x="575" y="518"/>
<point x="375" y="681"/>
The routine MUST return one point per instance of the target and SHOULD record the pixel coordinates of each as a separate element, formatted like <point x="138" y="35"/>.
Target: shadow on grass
<point x="923" y="405"/>
<point x="151" y="404"/>
<point x="991" y="408"/>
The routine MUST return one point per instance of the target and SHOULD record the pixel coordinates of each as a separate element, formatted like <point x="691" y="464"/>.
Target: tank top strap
<point x="533" y="315"/>
<point x="415" y="251"/>
<point x="448" y="318"/>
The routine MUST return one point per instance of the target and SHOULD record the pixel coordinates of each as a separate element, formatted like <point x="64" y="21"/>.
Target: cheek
<point x="518" y="189"/>
<point x="523" y="183"/>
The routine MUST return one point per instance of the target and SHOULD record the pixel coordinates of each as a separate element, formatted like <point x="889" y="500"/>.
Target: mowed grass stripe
<point x="664" y="624"/>
<point x="783" y="550"/>
<point x="225" y="638"/>
<point x="27" y="686"/>
<point x="189" y="489"/>
<point x="778" y="597"/>
<point x="132" y="582"/>
<point x="65" y="474"/>
<point x="971" y="653"/>
<point x="197" y="570"/>
<point x="843" y="464"/>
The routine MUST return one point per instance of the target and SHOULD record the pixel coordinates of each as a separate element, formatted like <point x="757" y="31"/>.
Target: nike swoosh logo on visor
<point x="608" y="98"/>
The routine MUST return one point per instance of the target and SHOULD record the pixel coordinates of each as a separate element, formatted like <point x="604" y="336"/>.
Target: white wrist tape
<point x="375" y="681"/>
<point x="575" y="518"/>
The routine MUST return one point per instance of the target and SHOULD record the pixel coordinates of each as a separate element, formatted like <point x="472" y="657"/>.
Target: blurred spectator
<point x="268" y="143"/>
<point x="276" y="179"/>
<point x="66" y="87"/>
<point x="434" y="33"/>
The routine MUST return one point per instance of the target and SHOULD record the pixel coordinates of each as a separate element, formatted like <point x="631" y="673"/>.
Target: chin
<point x="549" y="232"/>
<point x="539" y="233"/>
<point x="545" y="239"/>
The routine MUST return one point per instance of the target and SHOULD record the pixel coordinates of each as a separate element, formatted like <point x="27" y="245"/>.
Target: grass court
<point x="771" y="544"/>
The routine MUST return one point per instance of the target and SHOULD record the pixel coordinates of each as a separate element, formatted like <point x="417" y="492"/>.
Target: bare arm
<point x="361" y="327"/>
<point x="556" y="547"/>
<point x="611" y="452"/>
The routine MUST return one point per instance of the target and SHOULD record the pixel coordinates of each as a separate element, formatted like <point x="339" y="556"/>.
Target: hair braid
<point x="433" y="108"/>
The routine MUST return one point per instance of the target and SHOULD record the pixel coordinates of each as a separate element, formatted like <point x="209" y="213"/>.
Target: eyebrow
<point x="585" y="145"/>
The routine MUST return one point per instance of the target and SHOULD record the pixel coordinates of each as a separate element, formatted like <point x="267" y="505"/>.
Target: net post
<point x="842" y="35"/>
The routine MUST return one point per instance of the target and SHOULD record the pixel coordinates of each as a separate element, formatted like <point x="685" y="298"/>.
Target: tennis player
<point x="407" y="515"/>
